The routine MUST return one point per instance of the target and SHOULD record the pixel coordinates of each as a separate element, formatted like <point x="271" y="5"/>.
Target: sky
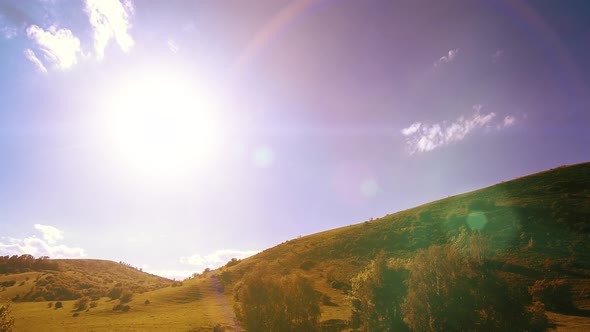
<point x="175" y="135"/>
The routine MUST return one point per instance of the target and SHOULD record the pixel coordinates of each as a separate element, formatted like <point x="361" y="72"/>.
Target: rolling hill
<point x="68" y="279"/>
<point x="538" y="226"/>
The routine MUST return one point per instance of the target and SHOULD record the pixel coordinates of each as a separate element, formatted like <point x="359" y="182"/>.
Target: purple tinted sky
<point x="340" y="111"/>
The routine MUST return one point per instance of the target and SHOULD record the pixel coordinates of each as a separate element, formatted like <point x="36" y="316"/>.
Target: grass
<point x="539" y="226"/>
<point x="78" y="277"/>
<point x="196" y="306"/>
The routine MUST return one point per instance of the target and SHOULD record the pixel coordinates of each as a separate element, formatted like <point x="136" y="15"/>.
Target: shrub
<point x="288" y="303"/>
<point x="555" y="294"/>
<point x="232" y="262"/>
<point x="8" y="283"/>
<point x="50" y="305"/>
<point x="58" y="305"/>
<point x="81" y="303"/>
<point x="307" y="265"/>
<point x="121" y="307"/>
<point x="146" y="302"/>
<point x="126" y="297"/>
<point x="377" y="295"/>
<point x="226" y="277"/>
<point x="93" y="304"/>
<point x="539" y="320"/>
<point x="6" y="318"/>
<point x="75" y="314"/>
<point x="115" y="293"/>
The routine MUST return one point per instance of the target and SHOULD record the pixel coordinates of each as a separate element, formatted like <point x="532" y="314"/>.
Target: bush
<point x="58" y="305"/>
<point x="307" y="265"/>
<point x="126" y="297"/>
<point x="81" y="303"/>
<point x="377" y="295"/>
<point x="555" y="294"/>
<point x="8" y="283"/>
<point x="50" y="305"/>
<point x="6" y="318"/>
<point x="75" y="314"/>
<point x="146" y="302"/>
<point x="226" y="277"/>
<point x="93" y="304"/>
<point x="121" y="307"/>
<point x="266" y="303"/>
<point x="115" y="293"/>
<point x="232" y="262"/>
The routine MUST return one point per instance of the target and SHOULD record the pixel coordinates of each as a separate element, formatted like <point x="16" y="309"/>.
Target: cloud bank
<point x="110" y="20"/>
<point x="216" y="259"/>
<point x="45" y="246"/>
<point x="59" y="46"/>
<point x="422" y="137"/>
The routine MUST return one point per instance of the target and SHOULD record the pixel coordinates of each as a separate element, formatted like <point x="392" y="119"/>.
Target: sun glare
<point x="163" y="125"/>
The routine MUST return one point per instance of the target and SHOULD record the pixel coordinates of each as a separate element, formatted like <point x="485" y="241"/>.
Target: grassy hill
<point x="538" y="226"/>
<point x="69" y="279"/>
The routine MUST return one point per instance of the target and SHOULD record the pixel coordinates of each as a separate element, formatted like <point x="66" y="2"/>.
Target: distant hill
<point x="65" y="279"/>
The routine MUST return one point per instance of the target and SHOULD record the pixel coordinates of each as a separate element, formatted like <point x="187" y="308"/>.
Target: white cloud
<point x="30" y="55"/>
<point x="423" y="137"/>
<point x="509" y="120"/>
<point x="59" y="46"/>
<point x="110" y="20"/>
<point x="47" y="246"/>
<point x="450" y="56"/>
<point x="216" y="259"/>
<point x="50" y="233"/>
<point x="411" y="129"/>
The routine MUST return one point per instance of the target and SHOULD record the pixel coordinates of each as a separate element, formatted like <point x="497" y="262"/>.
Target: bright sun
<point x="162" y="125"/>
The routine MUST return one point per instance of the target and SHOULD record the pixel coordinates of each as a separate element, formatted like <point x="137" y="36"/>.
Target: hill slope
<point x="66" y="279"/>
<point x="539" y="227"/>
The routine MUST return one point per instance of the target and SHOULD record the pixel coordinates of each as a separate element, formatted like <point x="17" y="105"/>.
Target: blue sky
<point x="175" y="135"/>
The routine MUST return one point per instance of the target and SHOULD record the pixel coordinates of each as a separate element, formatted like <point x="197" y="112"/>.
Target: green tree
<point x="377" y="294"/>
<point x="451" y="291"/>
<point x="267" y="303"/>
<point x="6" y="318"/>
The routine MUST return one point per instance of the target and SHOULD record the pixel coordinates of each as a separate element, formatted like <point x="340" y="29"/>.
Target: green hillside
<point x="538" y="228"/>
<point x="67" y="279"/>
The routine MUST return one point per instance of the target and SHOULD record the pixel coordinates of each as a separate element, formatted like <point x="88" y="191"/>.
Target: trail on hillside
<point x="215" y="289"/>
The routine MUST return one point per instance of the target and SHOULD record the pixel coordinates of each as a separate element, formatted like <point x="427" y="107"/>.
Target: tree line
<point x="26" y="263"/>
<point x="449" y="287"/>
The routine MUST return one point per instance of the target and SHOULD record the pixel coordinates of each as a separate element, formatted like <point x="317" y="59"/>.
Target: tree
<point x="377" y="294"/>
<point x="6" y="318"/>
<point x="266" y="303"/>
<point x="450" y="291"/>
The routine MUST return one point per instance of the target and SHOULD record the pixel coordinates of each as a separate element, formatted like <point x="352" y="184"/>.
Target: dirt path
<point x="215" y="289"/>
